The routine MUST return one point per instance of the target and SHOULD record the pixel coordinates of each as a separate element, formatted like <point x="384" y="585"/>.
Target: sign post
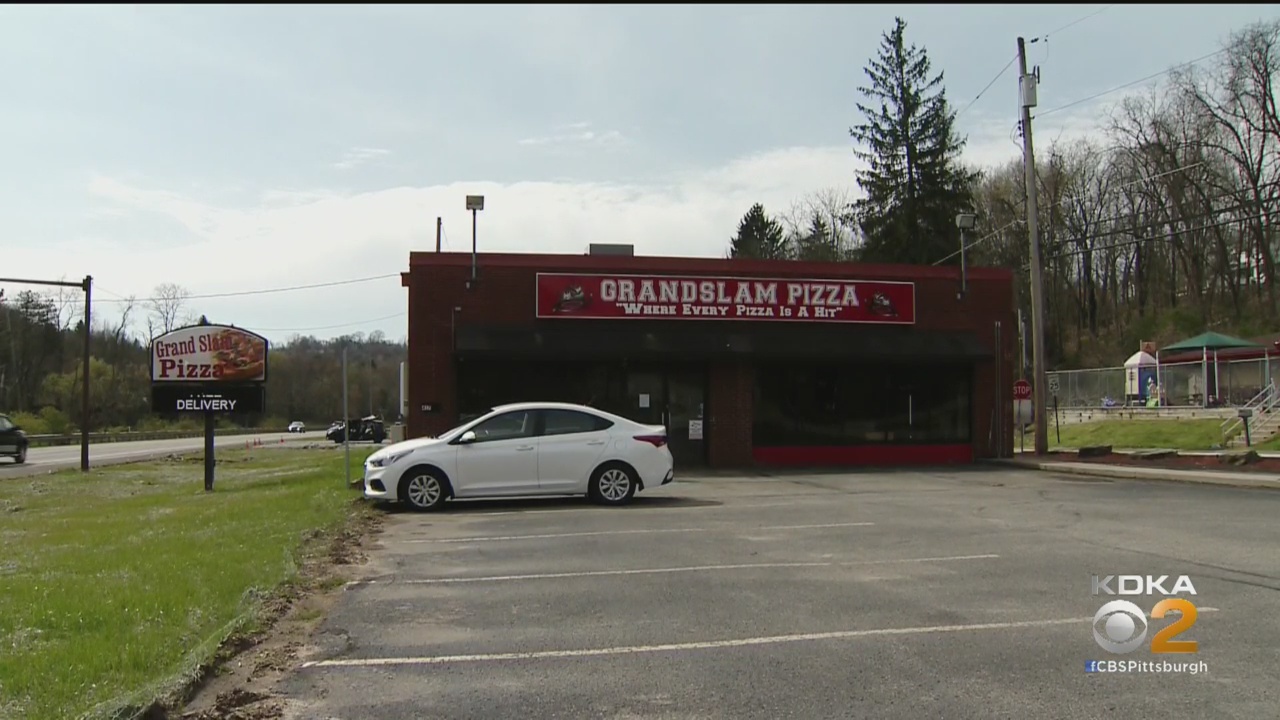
<point x="1022" y="410"/>
<point x="1057" y="421"/>
<point x="211" y="370"/>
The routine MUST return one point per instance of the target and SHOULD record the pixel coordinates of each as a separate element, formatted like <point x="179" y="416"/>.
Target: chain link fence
<point x="1182" y="384"/>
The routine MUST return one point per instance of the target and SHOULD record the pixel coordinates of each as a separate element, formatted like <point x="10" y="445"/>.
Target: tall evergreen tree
<point x="759" y="236"/>
<point x="914" y="183"/>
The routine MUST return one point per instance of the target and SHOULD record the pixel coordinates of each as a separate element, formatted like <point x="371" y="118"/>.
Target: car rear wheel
<point x="613" y="484"/>
<point x="21" y="457"/>
<point x="424" y="489"/>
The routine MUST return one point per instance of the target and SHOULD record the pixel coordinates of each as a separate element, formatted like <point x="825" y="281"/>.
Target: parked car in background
<point x="525" y="449"/>
<point x="13" y="441"/>
<point x="368" y="429"/>
<point x="297" y="426"/>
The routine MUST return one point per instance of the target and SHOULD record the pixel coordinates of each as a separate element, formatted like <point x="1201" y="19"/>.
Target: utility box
<point x="1028" y="87"/>
<point x="397" y="433"/>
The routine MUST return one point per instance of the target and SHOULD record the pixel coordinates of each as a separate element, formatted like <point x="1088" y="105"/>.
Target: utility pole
<point x="87" y="286"/>
<point x="1027" y="100"/>
<point x="439" y="231"/>
<point x="346" y="419"/>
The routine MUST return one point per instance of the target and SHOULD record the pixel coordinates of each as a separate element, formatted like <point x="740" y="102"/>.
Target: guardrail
<point x="58" y="440"/>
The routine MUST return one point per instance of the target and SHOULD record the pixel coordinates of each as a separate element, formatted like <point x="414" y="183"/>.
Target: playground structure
<point x="1230" y="374"/>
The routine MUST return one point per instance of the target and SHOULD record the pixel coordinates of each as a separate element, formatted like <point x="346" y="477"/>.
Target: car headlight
<point x="387" y="459"/>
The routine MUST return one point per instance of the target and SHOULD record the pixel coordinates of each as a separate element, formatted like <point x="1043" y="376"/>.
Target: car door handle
<point x="524" y="448"/>
<point x="596" y="442"/>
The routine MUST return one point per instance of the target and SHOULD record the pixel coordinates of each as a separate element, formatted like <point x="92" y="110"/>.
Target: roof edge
<point x="693" y="265"/>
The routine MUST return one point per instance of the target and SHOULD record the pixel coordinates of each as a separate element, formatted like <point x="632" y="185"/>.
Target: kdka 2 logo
<point x="1120" y="626"/>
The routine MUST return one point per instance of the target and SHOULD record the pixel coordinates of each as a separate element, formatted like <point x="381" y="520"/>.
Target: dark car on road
<point x="369" y="429"/>
<point x="13" y="442"/>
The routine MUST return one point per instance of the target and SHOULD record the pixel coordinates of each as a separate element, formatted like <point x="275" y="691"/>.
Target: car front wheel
<point x="613" y="484"/>
<point x="424" y="489"/>
<point x="21" y="457"/>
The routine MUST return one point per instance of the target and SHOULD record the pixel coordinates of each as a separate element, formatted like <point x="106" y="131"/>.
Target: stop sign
<point x="1022" y="390"/>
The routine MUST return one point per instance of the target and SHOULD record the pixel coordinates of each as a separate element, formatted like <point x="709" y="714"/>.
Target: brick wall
<point x="439" y="298"/>
<point x="730" y="397"/>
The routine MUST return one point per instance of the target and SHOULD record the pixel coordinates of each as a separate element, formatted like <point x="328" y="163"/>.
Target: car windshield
<point x="457" y="428"/>
<point x="453" y="430"/>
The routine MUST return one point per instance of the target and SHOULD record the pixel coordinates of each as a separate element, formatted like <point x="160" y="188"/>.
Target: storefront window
<point x="843" y="404"/>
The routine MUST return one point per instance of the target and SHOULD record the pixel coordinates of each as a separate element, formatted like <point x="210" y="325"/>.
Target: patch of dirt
<point x="1269" y="466"/>
<point x="239" y="683"/>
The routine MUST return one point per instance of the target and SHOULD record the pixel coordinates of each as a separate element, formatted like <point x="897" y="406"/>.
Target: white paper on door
<point x="695" y="429"/>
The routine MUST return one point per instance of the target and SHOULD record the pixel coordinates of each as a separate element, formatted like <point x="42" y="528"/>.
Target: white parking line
<point x="707" y="645"/>
<point x="808" y="498"/>
<point x="647" y="531"/>
<point x="661" y="571"/>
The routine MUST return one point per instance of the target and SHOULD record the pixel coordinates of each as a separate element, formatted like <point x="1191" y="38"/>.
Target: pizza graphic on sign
<point x="882" y="306"/>
<point x="573" y="299"/>
<point x="240" y="356"/>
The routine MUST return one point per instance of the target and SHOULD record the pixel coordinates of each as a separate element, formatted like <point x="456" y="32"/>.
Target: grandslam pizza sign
<point x="679" y="297"/>
<point x="209" y="353"/>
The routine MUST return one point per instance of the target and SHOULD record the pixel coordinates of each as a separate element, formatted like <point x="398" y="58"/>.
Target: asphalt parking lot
<point x="957" y="594"/>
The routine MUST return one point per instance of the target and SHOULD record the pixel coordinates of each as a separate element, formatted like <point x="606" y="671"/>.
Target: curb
<point x="1118" y="472"/>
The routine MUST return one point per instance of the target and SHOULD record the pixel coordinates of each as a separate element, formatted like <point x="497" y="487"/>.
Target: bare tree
<point x="165" y="307"/>
<point x="821" y="226"/>
<point x="68" y="305"/>
<point x="1238" y="96"/>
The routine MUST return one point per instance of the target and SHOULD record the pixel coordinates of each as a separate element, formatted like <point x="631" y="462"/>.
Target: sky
<point x="231" y="149"/>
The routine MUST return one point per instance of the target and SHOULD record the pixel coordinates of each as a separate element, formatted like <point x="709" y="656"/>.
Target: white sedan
<point x="524" y="449"/>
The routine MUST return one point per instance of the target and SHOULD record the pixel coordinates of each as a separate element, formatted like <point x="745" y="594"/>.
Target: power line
<point x="263" y="291"/>
<point x="1150" y="238"/>
<point x="1075" y="22"/>
<point x="1162" y="222"/>
<point x="333" y="327"/>
<point x="984" y="90"/>
<point x="1015" y="221"/>
<point x="1127" y="85"/>
<point x="1014" y="59"/>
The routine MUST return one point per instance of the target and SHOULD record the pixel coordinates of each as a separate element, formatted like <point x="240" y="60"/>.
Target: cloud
<point x="292" y="237"/>
<point x="579" y="134"/>
<point x="359" y="156"/>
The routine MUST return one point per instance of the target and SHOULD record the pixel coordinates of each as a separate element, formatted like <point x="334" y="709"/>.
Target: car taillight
<point x="654" y="440"/>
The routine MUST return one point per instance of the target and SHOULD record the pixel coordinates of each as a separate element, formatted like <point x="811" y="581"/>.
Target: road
<point x="951" y="593"/>
<point x="46" y="459"/>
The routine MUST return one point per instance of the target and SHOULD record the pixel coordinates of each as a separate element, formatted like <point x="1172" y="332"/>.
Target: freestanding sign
<point x="211" y="370"/>
<point x="1022" y="405"/>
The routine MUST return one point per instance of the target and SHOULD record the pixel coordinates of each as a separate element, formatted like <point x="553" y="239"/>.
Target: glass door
<point x="646" y="398"/>
<point x="675" y="398"/>
<point x="686" y="417"/>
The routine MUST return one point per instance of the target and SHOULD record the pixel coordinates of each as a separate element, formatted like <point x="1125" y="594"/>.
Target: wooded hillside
<point x="1160" y="227"/>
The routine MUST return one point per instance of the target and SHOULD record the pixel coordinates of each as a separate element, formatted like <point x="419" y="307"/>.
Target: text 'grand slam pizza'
<point x="224" y="354"/>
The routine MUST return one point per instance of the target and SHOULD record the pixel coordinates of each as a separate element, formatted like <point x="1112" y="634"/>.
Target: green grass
<point x="115" y="584"/>
<point x="1138" y="434"/>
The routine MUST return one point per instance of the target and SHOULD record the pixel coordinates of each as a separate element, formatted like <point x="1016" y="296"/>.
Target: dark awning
<point x="701" y="340"/>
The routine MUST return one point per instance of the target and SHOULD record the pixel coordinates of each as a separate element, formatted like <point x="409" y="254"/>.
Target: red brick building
<point x="746" y="362"/>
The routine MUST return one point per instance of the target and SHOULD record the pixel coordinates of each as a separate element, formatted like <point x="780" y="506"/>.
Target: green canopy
<point x="1210" y="341"/>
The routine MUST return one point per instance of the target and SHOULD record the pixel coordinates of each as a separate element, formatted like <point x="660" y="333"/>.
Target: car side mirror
<point x="467" y="438"/>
